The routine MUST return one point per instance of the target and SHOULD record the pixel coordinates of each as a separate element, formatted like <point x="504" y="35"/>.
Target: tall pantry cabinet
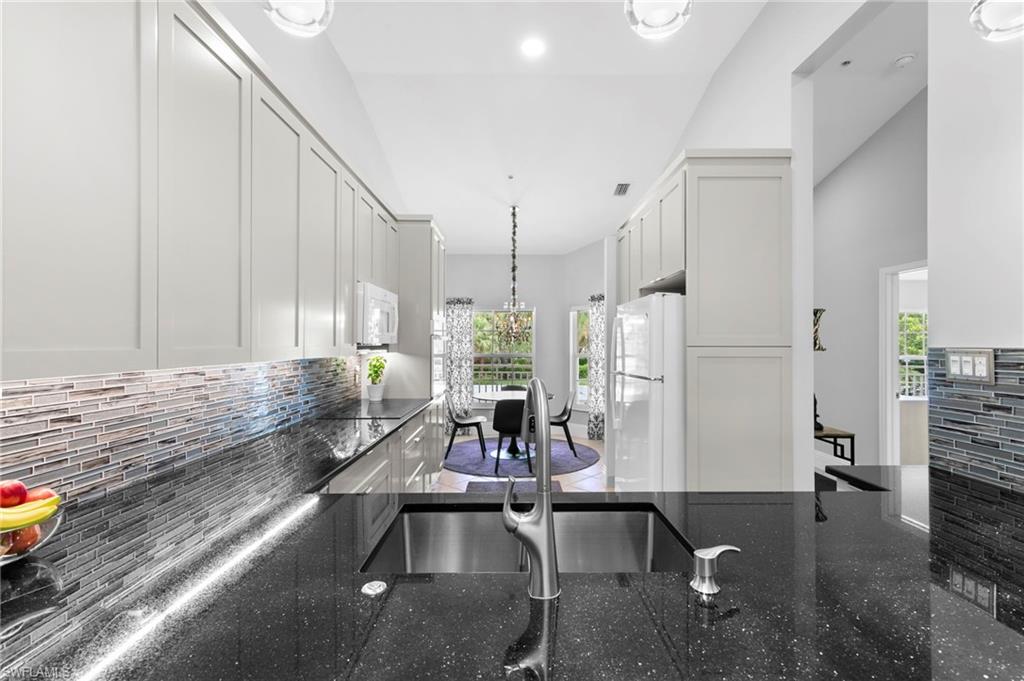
<point x="724" y="217"/>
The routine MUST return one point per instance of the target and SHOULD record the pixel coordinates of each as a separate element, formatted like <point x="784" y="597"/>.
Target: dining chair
<point x="562" y="419"/>
<point x="508" y="421"/>
<point x="465" y="422"/>
<point x="514" y="387"/>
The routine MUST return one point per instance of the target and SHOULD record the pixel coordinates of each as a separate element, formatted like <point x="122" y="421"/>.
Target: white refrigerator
<point x="648" y="399"/>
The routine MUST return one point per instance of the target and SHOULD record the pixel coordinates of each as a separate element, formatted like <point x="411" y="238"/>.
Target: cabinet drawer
<point x="414" y="453"/>
<point x="361" y="475"/>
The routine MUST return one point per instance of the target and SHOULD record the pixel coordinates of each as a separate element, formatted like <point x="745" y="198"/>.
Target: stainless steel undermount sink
<point x="599" y="538"/>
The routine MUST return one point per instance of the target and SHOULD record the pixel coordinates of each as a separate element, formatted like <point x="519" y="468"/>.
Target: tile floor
<point x="591" y="479"/>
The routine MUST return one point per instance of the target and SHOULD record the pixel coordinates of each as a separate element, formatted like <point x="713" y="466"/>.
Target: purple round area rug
<point x="465" y="458"/>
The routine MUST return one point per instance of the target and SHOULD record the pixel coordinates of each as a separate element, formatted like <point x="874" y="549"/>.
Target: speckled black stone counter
<point x="829" y="586"/>
<point x="385" y="409"/>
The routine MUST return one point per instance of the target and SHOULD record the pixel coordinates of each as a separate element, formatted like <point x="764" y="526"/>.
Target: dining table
<point x="495" y="396"/>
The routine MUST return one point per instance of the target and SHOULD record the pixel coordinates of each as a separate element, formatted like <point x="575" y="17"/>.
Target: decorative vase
<point x="375" y="391"/>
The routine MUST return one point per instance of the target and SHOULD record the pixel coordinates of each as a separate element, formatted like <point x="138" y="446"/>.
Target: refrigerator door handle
<point x="620" y="342"/>
<point x="617" y="401"/>
<point x="655" y="379"/>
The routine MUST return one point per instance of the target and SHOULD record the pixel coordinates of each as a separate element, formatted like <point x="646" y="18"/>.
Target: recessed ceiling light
<point x="533" y="47"/>
<point x="904" y="60"/>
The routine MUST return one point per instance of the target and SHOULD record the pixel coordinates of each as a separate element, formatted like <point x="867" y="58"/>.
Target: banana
<point x="26" y="515"/>
<point x="32" y="505"/>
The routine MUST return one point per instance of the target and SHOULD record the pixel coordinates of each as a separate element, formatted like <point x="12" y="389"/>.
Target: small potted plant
<point x="375" y="372"/>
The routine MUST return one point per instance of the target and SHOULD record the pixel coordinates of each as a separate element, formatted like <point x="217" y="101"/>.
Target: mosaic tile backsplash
<point x="93" y="434"/>
<point x="978" y="430"/>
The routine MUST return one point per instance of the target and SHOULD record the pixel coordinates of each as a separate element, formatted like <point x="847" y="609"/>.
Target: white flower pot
<point x="375" y="391"/>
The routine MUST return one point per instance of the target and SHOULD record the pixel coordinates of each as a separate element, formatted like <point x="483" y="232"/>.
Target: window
<point x="495" y="363"/>
<point x="579" y="363"/>
<point x="913" y="339"/>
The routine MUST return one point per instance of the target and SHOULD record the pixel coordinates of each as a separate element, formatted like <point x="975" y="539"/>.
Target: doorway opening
<point x="903" y="375"/>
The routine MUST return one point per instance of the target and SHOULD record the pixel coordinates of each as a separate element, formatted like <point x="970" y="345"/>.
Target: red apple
<point x="24" y="539"/>
<point x="39" y="493"/>
<point x="12" y="493"/>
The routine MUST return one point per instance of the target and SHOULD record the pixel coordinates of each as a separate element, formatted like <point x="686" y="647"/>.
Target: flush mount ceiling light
<point x="533" y="48"/>
<point x="654" y="19"/>
<point x="998" y="19"/>
<point x="303" y="18"/>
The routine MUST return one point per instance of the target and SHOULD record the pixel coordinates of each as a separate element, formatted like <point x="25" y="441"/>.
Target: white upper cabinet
<point x="622" y="267"/>
<point x="635" y="258"/>
<point x="393" y="258"/>
<point x="738" y="251"/>
<point x="79" y="200"/>
<point x="672" y="203"/>
<point x="277" y="144"/>
<point x="348" y="265"/>
<point x="205" y="183"/>
<point x="650" y="228"/>
<point x="323" y="253"/>
<point x="381" y="235"/>
<point x="364" y="237"/>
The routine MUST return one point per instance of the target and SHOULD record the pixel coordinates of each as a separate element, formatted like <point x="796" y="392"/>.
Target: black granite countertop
<point x="873" y="478"/>
<point x="225" y="570"/>
<point x="385" y="409"/>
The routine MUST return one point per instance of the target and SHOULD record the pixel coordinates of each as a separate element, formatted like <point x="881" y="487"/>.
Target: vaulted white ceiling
<point x="852" y="102"/>
<point x="457" y="109"/>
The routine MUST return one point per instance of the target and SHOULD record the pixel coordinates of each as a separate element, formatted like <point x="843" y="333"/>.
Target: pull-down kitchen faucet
<point x="535" y="529"/>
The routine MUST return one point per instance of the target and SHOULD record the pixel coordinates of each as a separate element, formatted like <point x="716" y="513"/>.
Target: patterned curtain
<point x="596" y="368"/>
<point x="459" y="360"/>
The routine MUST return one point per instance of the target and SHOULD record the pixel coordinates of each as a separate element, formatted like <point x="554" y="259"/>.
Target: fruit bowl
<point x="47" y="528"/>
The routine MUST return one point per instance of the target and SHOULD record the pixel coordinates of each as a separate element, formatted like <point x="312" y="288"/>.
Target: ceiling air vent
<point x="621" y="189"/>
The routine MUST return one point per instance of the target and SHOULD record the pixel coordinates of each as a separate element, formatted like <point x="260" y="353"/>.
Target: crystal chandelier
<point x="515" y="323"/>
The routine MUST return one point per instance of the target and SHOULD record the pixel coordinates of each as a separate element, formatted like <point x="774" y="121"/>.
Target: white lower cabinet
<point x="414" y="455"/>
<point x="739" y="419"/>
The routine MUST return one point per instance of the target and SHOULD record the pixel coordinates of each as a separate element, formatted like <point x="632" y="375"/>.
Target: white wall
<point x="748" y="102"/>
<point x="869" y="213"/>
<point x="549" y="283"/>
<point x="975" y="180"/>
<point x="311" y="74"/>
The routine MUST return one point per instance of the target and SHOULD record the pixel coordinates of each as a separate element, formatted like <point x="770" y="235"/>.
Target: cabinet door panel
<point x="205" y="145"/>
<point x="364" y="239"/>
<point x="392" y="248"/>
<point x="650" y="227"/>
<point x="635" y="259"/>
<point x="322" y="252"/>
<point x="739" y="420"/>
<point x="347" y="278"/>
<point x="622" y="268"/>
<point x="673" y="225"/>
<point x="79" y="205"/>
<point x="379" y="269"/>
<point x="738" y="232"/>
<point x="277" y="294"/>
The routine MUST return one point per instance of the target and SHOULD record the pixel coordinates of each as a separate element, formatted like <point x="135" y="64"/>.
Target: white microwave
<point x="376" y="316"/>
